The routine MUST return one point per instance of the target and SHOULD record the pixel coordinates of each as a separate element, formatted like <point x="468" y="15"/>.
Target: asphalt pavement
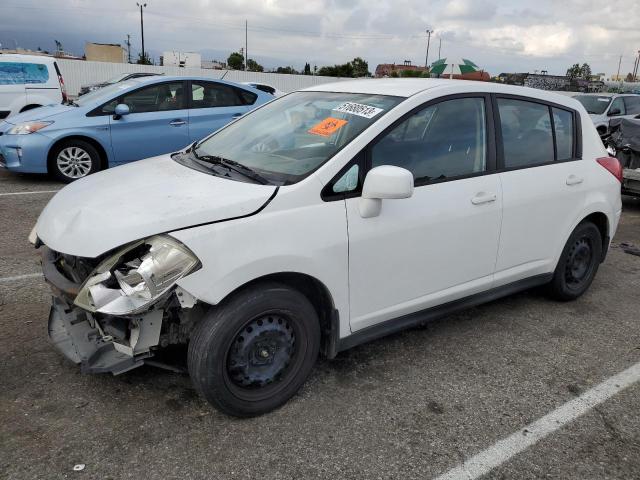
<point x="410" y="406"/>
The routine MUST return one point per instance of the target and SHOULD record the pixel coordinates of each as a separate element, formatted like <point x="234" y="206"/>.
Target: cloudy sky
<point x="516" y="35"/>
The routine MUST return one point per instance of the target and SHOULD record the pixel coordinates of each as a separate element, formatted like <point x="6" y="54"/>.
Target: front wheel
<point x="253" y="352"/>
<point x="74" y="159"/>
<point x="578" y="263"/>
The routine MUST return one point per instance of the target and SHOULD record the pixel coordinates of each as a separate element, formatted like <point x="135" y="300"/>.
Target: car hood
<point x="40" y="113"/>
<point x="127" y="203"/>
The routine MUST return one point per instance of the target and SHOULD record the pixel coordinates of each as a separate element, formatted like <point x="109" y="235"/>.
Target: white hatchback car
<point x="326" y="218"/>
<point x="29" y="81"/>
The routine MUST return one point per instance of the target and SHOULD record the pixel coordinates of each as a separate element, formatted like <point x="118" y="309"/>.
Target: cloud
<point x="469" y="10"/>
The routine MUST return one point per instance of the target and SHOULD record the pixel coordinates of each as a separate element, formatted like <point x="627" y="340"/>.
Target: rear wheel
<point x="253" y="352"/>
<point x="578" y="263"/>
<point x="74" y="159"/>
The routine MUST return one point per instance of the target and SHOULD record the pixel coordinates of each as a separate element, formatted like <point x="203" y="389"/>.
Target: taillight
<point x="613" y="165"/>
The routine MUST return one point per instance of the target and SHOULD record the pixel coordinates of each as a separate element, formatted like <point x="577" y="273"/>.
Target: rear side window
<point x="563" y="124"/>
<point x="210" y="94"/>
<point x="443" y="140"/>
<point x="632" y="105"/>
<point x="11" y="73"/>
<point x="248" y="98"/>
<point x="527" y="136"/>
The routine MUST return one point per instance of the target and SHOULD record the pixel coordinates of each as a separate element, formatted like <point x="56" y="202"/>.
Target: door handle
<point x="483" y="197"/>
<point x="177" y="123"/>
<point x="574" y="180"/>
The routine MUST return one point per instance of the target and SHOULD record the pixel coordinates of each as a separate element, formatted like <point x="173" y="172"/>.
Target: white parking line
<point x="28" y="193"/>
<point x="20" y="277"/>
<point x="505" y="449"/>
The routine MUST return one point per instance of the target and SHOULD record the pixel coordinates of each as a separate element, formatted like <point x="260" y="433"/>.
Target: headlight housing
<point x="135" y="277"/>
<point x="25" y="128"/>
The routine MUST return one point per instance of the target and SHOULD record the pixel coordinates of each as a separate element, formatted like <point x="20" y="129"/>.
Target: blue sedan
<point x="127" y="121"/>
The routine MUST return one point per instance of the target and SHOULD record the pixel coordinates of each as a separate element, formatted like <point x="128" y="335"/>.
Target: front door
<point x="157" y="122"/>
<point x="440" y="244"/>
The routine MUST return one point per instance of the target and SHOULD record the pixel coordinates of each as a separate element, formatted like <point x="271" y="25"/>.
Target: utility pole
<point x="426" y="61"/>
<point x="619" y="62"/>
<point x="142" y="5"/>
<point x="440" y="49"/>
<point x="635" y="69"/>
<point x="128" y="43"/>
<point x="246" y="47"/>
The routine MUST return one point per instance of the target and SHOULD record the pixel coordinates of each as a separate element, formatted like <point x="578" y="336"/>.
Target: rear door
<point x="157" y="122"/>
<point x="213" y="105"/>
<point x="12" y="90"/>
<point x="543" y="184"/>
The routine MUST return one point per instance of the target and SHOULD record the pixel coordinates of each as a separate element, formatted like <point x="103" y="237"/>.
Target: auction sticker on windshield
<point x="359" y="109"/>
<point x="327" y="127"/>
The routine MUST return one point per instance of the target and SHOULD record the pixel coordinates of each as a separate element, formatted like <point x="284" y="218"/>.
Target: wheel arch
<point x="104" y="159"/>
<point x="317" y="293"/>
<point x="600" y="220"/>
<point x="30" y="106"/>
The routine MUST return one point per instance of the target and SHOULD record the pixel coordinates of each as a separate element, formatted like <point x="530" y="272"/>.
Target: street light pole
<point x="142" y="5"/>
<point x="426" y="61"/>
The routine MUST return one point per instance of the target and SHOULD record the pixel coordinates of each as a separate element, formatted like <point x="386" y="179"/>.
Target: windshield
<point x="108" y="91"/>
<point x="289" y="138"/>
<point x="117" y="78"/>
<point x="593" y="103"/>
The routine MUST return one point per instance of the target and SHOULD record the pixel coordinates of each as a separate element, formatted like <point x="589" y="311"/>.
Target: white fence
<point x="77" y="73"/>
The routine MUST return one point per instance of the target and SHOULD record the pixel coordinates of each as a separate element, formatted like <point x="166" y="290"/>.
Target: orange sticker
<point x="327" y="126"/>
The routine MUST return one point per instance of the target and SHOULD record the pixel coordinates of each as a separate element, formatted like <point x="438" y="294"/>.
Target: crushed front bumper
<point x="81" y="338"/>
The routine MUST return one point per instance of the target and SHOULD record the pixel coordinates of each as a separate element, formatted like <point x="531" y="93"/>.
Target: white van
<point x="29" y="81"/>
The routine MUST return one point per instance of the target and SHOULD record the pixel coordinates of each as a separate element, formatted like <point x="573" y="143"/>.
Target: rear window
<point x="18" y="73"/>
<point x="248" y="98"/>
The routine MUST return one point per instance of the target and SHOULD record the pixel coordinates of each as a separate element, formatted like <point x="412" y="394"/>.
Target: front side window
<point x="210" y="94"/>
<point x="155" y="98"/>
<point x="444" y="140"/>
<point x="35" y="73"/>
<point x="617" y="107"/>
<point x="287" y="139"/>
<point x="527" y="138"/>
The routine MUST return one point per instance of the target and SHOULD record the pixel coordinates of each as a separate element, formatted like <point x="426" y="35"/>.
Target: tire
<point x="578" y="263"/>
<point x="253" y="352"/>
<point x="74" y="159"/>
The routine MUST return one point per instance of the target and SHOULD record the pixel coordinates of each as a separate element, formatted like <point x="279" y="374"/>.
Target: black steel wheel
<point x="578" y="263"/>
<point x="252" y="353"/>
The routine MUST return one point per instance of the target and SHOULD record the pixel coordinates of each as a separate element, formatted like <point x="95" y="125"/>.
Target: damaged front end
<point x="111" y="313"/>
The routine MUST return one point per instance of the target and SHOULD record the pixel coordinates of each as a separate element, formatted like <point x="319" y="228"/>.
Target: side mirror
<point x="120" y="111"/>
<point x="382" y="183"/>
<point x="614" y="111"/>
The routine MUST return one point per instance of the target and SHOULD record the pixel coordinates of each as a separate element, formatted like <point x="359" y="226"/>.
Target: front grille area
<point x="66" y="273"/>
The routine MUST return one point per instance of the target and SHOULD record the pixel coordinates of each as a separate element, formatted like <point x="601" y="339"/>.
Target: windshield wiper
<point x="232" y="165"/>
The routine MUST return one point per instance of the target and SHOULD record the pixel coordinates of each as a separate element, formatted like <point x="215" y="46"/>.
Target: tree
<point x="629" y="78"/>
<point x="573" y="72"/>
<point x="235" y="61"/>
<point x="144" y="60"/>
<point x="254" y="66"/>
<point x="307" y="69"/>
<point x="344" y="70"/>
<point x="360" y="68"/>
<point x="585" y="71"/>
<point x="577" y="71"/>
<point x="289" y="70"/>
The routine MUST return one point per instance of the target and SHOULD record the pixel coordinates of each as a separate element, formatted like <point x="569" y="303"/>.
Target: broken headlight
<point x="132" y="279"/>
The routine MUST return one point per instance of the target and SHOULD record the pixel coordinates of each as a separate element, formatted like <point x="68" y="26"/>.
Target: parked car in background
<point x="602" y="107"/>
<point x="120" y="123"/>
<point x="28" y="82"/>
<point x="118" y="78"/>
<point x="624" y="144"/>
<point x="265" y="88"/>
<point x="324" y="219"/>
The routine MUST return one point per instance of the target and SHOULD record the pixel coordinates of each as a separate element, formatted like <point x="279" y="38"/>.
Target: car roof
<point x="406" y="87"/>
<point x="19" y="57"/>
<point x="173" y="78"/>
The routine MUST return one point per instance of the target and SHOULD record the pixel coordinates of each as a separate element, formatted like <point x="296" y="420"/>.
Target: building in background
<point x="388" y="69"/>
<point x="181" y="59"/>
<point x="105" y="52"/>
<point x="213" y="65"/>
<point x="552" y="82"/>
